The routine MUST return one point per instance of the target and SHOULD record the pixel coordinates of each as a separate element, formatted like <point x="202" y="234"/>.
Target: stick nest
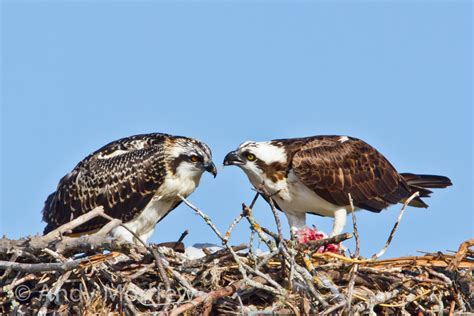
<point x="97" y="274"/>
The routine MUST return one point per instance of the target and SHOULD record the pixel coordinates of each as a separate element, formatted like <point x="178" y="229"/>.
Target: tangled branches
<point x="97" y="274"/>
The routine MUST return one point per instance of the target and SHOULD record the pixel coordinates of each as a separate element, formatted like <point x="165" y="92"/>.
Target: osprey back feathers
<point x="317" y="174"/>
<point x="136" y="179"/>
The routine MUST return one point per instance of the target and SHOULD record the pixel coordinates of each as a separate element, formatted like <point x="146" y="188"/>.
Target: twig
<point x="256" y="227"/>
<point x="309" y="282"/>
<point x="275" y="213"/>
<point x="183" y="235"/>
<point x="107" y="228"/>
<point x="41" y="267"/>
<point x="215" y="295"/>
<point x="182" y="280"/>
<point x="280" y="240"/>
<point x="313" y="245"/>
<point x="270" y="233"/>
<point x="7" y="271"/>
<point x="254" y="200"/>
<point x="299" y="271"/>
<point x="354" y="224"/>
<point x="53" y="292"/>
<point x="216" y="255"/>
<point x="267" y="258"/>
<point x="232" y="225"/>
<point x="206" y="218"/>
<point x="251" y="253"/>
<point x="353" y="273"/>
<point x="157" y="257"/>
<point x="394" y="229"/>
<point x="375" y="300"/>
<point x="350" y="286"/>
<point x="460" y="254"/>
<point x="333" y="308"/>
<point x="441" y="276"/>
<point x="243" y="268"/>
<point x="73" y="224"/>
<point x="54" y="254"/>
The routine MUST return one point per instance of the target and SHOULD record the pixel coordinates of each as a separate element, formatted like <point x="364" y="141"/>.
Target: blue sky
<point x="76" y="75"/>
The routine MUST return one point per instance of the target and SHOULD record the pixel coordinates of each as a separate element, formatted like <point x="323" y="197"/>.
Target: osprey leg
<point x="340" y="217"/>
<point x="297" y="221"/>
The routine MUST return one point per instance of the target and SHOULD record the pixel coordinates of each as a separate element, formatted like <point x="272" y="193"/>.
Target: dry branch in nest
<point x="97" y="274"/>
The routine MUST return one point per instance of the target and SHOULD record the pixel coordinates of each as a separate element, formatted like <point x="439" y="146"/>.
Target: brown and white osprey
<point x="136" y="179"/>
<point x="316" y="174"/>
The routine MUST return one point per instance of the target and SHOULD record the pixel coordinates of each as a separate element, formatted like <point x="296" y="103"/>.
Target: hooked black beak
<point x="233" y="159"/>
<point x="211" y="168"/>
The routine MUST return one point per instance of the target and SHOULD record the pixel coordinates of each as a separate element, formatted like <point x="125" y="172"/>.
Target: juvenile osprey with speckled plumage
<point x="136" y="179"/>
<point x="316" y="174"/>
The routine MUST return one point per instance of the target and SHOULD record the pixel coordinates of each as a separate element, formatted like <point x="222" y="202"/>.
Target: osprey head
<point x="259" y="160"/>
<point x="190" y="156"/>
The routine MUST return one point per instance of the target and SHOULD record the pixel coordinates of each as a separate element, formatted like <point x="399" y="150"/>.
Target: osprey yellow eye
<point x="250" y="157"/>
<point x="194" y="158"/>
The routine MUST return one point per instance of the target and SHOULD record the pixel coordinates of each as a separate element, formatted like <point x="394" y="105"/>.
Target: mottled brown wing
<point x="123" y="183"/>
<point x="333" y="168"/>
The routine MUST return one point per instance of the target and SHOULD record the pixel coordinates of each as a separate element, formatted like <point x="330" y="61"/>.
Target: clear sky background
<point x="79" y="74"/>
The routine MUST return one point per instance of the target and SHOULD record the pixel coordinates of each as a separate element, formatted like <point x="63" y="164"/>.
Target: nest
<point x="97" y="274"/>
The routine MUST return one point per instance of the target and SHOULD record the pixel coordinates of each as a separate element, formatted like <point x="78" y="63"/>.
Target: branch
<point x="353" y="273"/>
<point x="215" y="295"/>
<point x="354" y="224"/>
<point x="243" y="268"/>
<point x="41" y="267"/>
<point x="206" y="218"/>
<point x="313" y="245"/>
<point x="375" y="300"/>
<point x="153" y="251"/>
<point x="58" y="232"/>
<point x="394" y="229"/>
<point x="453" y="265"/>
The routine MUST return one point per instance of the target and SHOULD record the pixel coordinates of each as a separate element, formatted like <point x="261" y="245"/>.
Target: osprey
<point x="136" y="179"/>
<point x="317" y="174"/>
